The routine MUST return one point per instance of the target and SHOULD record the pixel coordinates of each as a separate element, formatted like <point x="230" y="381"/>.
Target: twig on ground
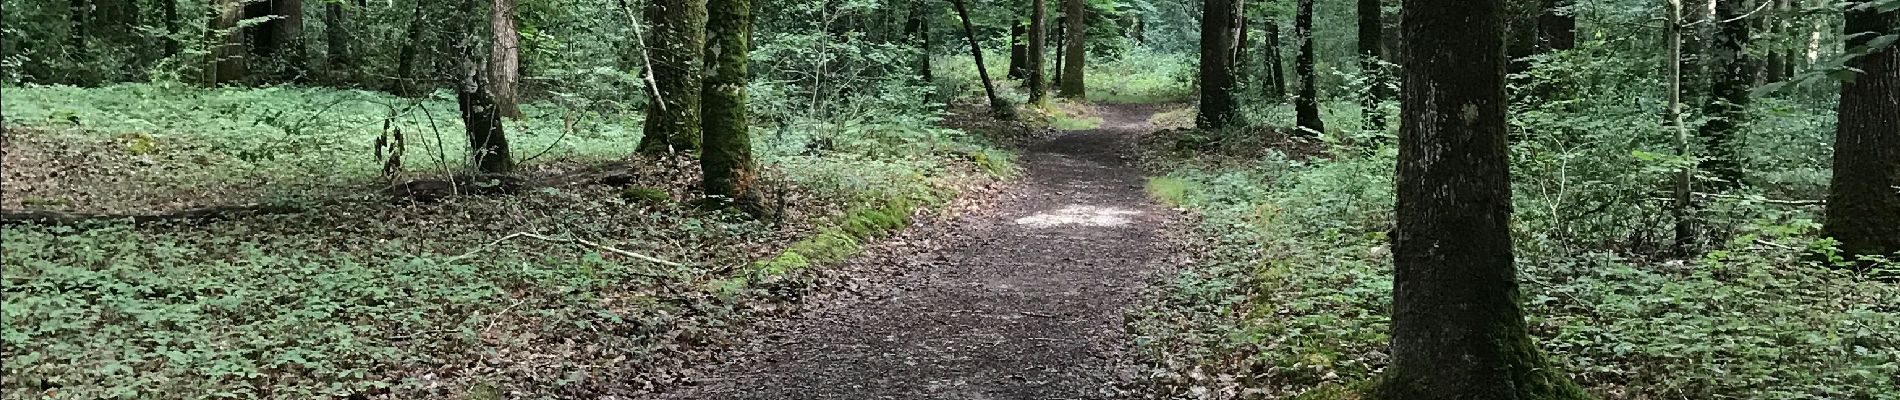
<point x="530" y="235"/>
<point x="1038" y="315"/>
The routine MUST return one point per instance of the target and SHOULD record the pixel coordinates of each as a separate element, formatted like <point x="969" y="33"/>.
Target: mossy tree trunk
<point x="675" y="44"/>
<point x="1729" y="83"/>
<point x="1218" y="40"/>
<point x="1863" y="203"/>
<point x="1075" y="48"/>
<point x="1458" y="330"/>
<point x="504" y="58"/>
<point x="730" y="174"/>
<point x="1306" y="107"/>
<point x="1038" y="38"/>
<point x="997" y="107"/>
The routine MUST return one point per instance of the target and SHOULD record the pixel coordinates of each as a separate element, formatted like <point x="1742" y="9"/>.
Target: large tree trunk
<point x="1038" y="38"/>
<point x="1018" y="52"/>
<point x="340" y="60"/>
<point x="997" y="107"/>
<point x="1218" y="40"/>
<point x="504" y="58"/>
<point x="675" y="45"/>
<point x="1458" y="329"/>
<point x="1306" y="107"/>
<point x="1864" y="201"/>
<point x="1695" y="57"/>
<point x="406" y="58"/>
<point x="918" y="31"/>
<point x="225" y="59"/>
<point x="1729" y="85"/>
<point x="730" y="173"/>
<point x="1074" y="50"/>
<point x="1276" y="73"/>
<point x="1239" y="59"/>
<point x="1371" y="27"/>
<point x="1777" y="65"/>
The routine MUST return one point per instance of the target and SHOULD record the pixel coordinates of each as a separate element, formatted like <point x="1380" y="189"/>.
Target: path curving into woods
<point x="1022" y="299"/>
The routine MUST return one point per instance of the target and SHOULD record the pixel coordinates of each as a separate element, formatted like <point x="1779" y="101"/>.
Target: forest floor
<point x="1021" y="299"/>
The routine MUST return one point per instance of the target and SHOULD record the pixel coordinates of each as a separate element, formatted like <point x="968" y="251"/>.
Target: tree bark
<point x="481" y="119"/>
<point x="918" y="31"/>
<point x="1864" y="199"/>
<point x="730" y="173"/>
<point x="1075" y="49"/>
<point x="997" y="107"/>
<point x="1729" y="86"/>
<point x="1458" y="330"/>
<point x="405" y="83"/>
<point x="504" y="58"/>
<point x="1276" y="73"/>
<point x="341" y="61"/>
<point x="1306" y="107"/>
<point x="225" y="58"/>
<point x="675" y="43"/>
<point x="1218" y="41"/>
<point x="1018" y="52"/>
<point x="1371" y="27"/>
<point x="1038" y="38"/>
<point x="281" y="39"/>
<point x="1062" y="26"/>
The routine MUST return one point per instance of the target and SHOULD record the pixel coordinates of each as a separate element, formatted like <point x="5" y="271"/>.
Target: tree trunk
<point x="504" y="58"/>
<point x="1556" y="26"/>
<point x="1018" y="52"/>
<point x="481" y="120"/>
<point x="730" y="173"/>
<point x="1729" y="86"/>
<point x="1306" y="107"/>
<point x="169" y="11"/>
<point x="1276" y="73"/>
<point x="675" y="44"/>
<point x="997" y="107"/>
<point x="282" y="39"/>
<point x="1458" y="330"/>
<point x="1520" y="34"/>
<point x="1075" y="48"/>
<point x="1218" y="41"/>
<point x="1695" y="57"/>
<point x="919" y="32"/>
<point x="1685" y="176"/>
<point x="1371" y="27"/>
<point x="1239" y="59"/>
<point x="1863" y="202"/>
<point x="336" y="36"/>
<point x="225" y="58"/>
<point x="1038" y="38"/>
<point x="1062" y="27"/>
<point x="405" y="82"/>
<point x="1778" y="26"/>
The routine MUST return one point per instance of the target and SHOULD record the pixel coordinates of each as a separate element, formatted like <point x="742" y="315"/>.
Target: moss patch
<point x="829" y="246"/>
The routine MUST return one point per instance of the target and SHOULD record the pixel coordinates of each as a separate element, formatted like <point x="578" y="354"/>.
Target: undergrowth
<point x="370" y="299"/>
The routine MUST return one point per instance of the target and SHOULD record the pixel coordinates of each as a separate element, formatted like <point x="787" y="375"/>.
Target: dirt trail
<point x="1020" y="300"/>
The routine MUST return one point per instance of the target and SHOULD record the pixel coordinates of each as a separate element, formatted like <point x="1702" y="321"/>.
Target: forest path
<point x="1021" y="299"/>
